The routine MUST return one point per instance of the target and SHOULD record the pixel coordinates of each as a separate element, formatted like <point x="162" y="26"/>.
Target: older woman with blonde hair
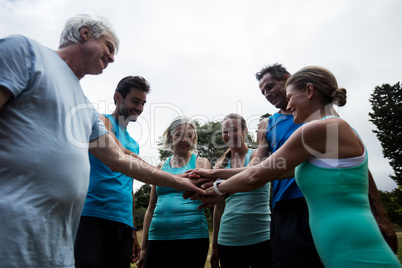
<point x="175" y="232"/>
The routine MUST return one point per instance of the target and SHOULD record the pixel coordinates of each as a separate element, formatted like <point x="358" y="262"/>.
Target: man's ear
<point x="285" y="77"/>
<point x="86" y="33"/>
<point x="117" y="97"/>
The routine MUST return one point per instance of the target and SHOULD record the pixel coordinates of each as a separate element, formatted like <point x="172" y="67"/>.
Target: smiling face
<point x="298" y="104"/>
<point x="97" y="53"/>
<point x="232" y="133"/>
<point x="183" y="139"/>
<point x="132" y="105"/>
<point x="274" y="91"/>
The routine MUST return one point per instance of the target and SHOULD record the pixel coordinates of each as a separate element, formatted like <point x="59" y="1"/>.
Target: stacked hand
<point x="199" y="177"/>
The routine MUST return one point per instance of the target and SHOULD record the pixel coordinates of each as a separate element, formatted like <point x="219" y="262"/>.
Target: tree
<point x="386" y="103"/>
<point x="391" y="205"/>
<point x="142" y="196"/>
<point x="210" y="144"/>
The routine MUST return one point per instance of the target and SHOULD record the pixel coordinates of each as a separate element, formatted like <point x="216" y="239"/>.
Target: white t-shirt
<point x="44" y="166"/>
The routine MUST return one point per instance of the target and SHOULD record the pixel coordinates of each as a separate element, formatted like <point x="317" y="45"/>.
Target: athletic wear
<point x="44" y="168"/>
<point x="250" y="256"/>
<point x="280" y="127"/>
<point x="107" y="216"/>
<point x="242" y="209"/>
<point x="175" y="217"/>
<point x="292" y="244"/>
<point x="182" y="253"/>
<point x="178" y="234"/>
<point x="344" y="229"/>
<point x="102" y="243"/>
<point x="110" y="193"/>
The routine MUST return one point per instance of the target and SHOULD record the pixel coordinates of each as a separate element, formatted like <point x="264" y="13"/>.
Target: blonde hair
<point x="167" y="143"/>
<point x="324" y="82"/>
<point x="224" y="159"/>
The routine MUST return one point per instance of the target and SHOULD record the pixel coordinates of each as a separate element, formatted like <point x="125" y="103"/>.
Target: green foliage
<point x="142" y="196"/>
<point x="210" y="144"/>
<point x="264" y="116"/>
<point x="386" y="103"/>
<point x="392" y="206"/>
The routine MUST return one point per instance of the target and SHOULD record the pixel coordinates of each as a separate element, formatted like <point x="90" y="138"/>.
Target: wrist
<point x="216" y="189"/>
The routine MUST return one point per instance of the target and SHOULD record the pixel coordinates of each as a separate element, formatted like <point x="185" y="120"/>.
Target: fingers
<point x="208" y="201"/>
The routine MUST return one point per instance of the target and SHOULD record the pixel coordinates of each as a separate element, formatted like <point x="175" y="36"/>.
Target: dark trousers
<point x="291" y="240"/>
<point x="184" y="253"/>
<point x="255" y="256"/>
<point x="103" y="243"/>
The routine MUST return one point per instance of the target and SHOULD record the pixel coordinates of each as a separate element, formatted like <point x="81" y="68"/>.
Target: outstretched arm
<point x="292" y="153"/>
<point x="106" y="150"/>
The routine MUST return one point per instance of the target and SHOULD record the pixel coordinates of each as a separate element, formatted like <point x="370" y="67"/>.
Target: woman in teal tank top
<point x="175" y="232"/>
<point x="332" y="172"/>
<point x="242" y="221"/>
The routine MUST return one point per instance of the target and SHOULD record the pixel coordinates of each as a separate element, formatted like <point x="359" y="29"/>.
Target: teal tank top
<point x="246" y="219"/>
<point x="174" y="217"/>
<point x="110" y="193"/>
<point x="344" y="230"/>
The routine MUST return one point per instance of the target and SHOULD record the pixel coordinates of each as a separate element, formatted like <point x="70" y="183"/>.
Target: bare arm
<point x="106" y="150"/>
<point x="145" y="229"/>
<point x="263" y="150"/>
<point x="5" y="95"/>
<point x="285" y="159"/>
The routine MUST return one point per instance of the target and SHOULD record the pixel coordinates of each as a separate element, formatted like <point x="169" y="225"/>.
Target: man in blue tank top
<point x="105" y="235"/>
<point x="291" y="240"/>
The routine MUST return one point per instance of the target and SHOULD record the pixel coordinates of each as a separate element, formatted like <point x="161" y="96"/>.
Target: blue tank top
<point x="174" y="217"/>
<point x="280" y="127"/>
<point x="110" y="193"/>
<point x="246" y="219"/>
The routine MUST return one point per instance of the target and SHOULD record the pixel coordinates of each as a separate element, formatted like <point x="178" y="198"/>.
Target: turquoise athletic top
<point x="246" y="219"/>
<point x="174" y="217"/>
<point x="344" y="230"/>
<point x="110" y="193"/>
<point x="280" y="127"/>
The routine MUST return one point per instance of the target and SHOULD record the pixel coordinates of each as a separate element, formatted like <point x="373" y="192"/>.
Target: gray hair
<point x="167" y="144"/>
<point x="99" y="28"/>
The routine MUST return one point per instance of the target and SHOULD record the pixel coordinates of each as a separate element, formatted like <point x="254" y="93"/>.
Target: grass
<point x="398" y="230"/>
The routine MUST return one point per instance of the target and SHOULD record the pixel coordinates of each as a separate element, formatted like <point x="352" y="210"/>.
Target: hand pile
<point x="199" y="178"/>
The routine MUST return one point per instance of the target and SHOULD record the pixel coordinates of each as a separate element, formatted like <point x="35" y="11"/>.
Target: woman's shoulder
<point x="203" y="163"/>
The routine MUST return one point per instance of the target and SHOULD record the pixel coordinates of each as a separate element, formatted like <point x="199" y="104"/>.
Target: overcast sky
<point x="200" y="57"/>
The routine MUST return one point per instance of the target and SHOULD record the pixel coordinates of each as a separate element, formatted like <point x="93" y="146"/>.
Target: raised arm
<point x="263" y="150"/>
